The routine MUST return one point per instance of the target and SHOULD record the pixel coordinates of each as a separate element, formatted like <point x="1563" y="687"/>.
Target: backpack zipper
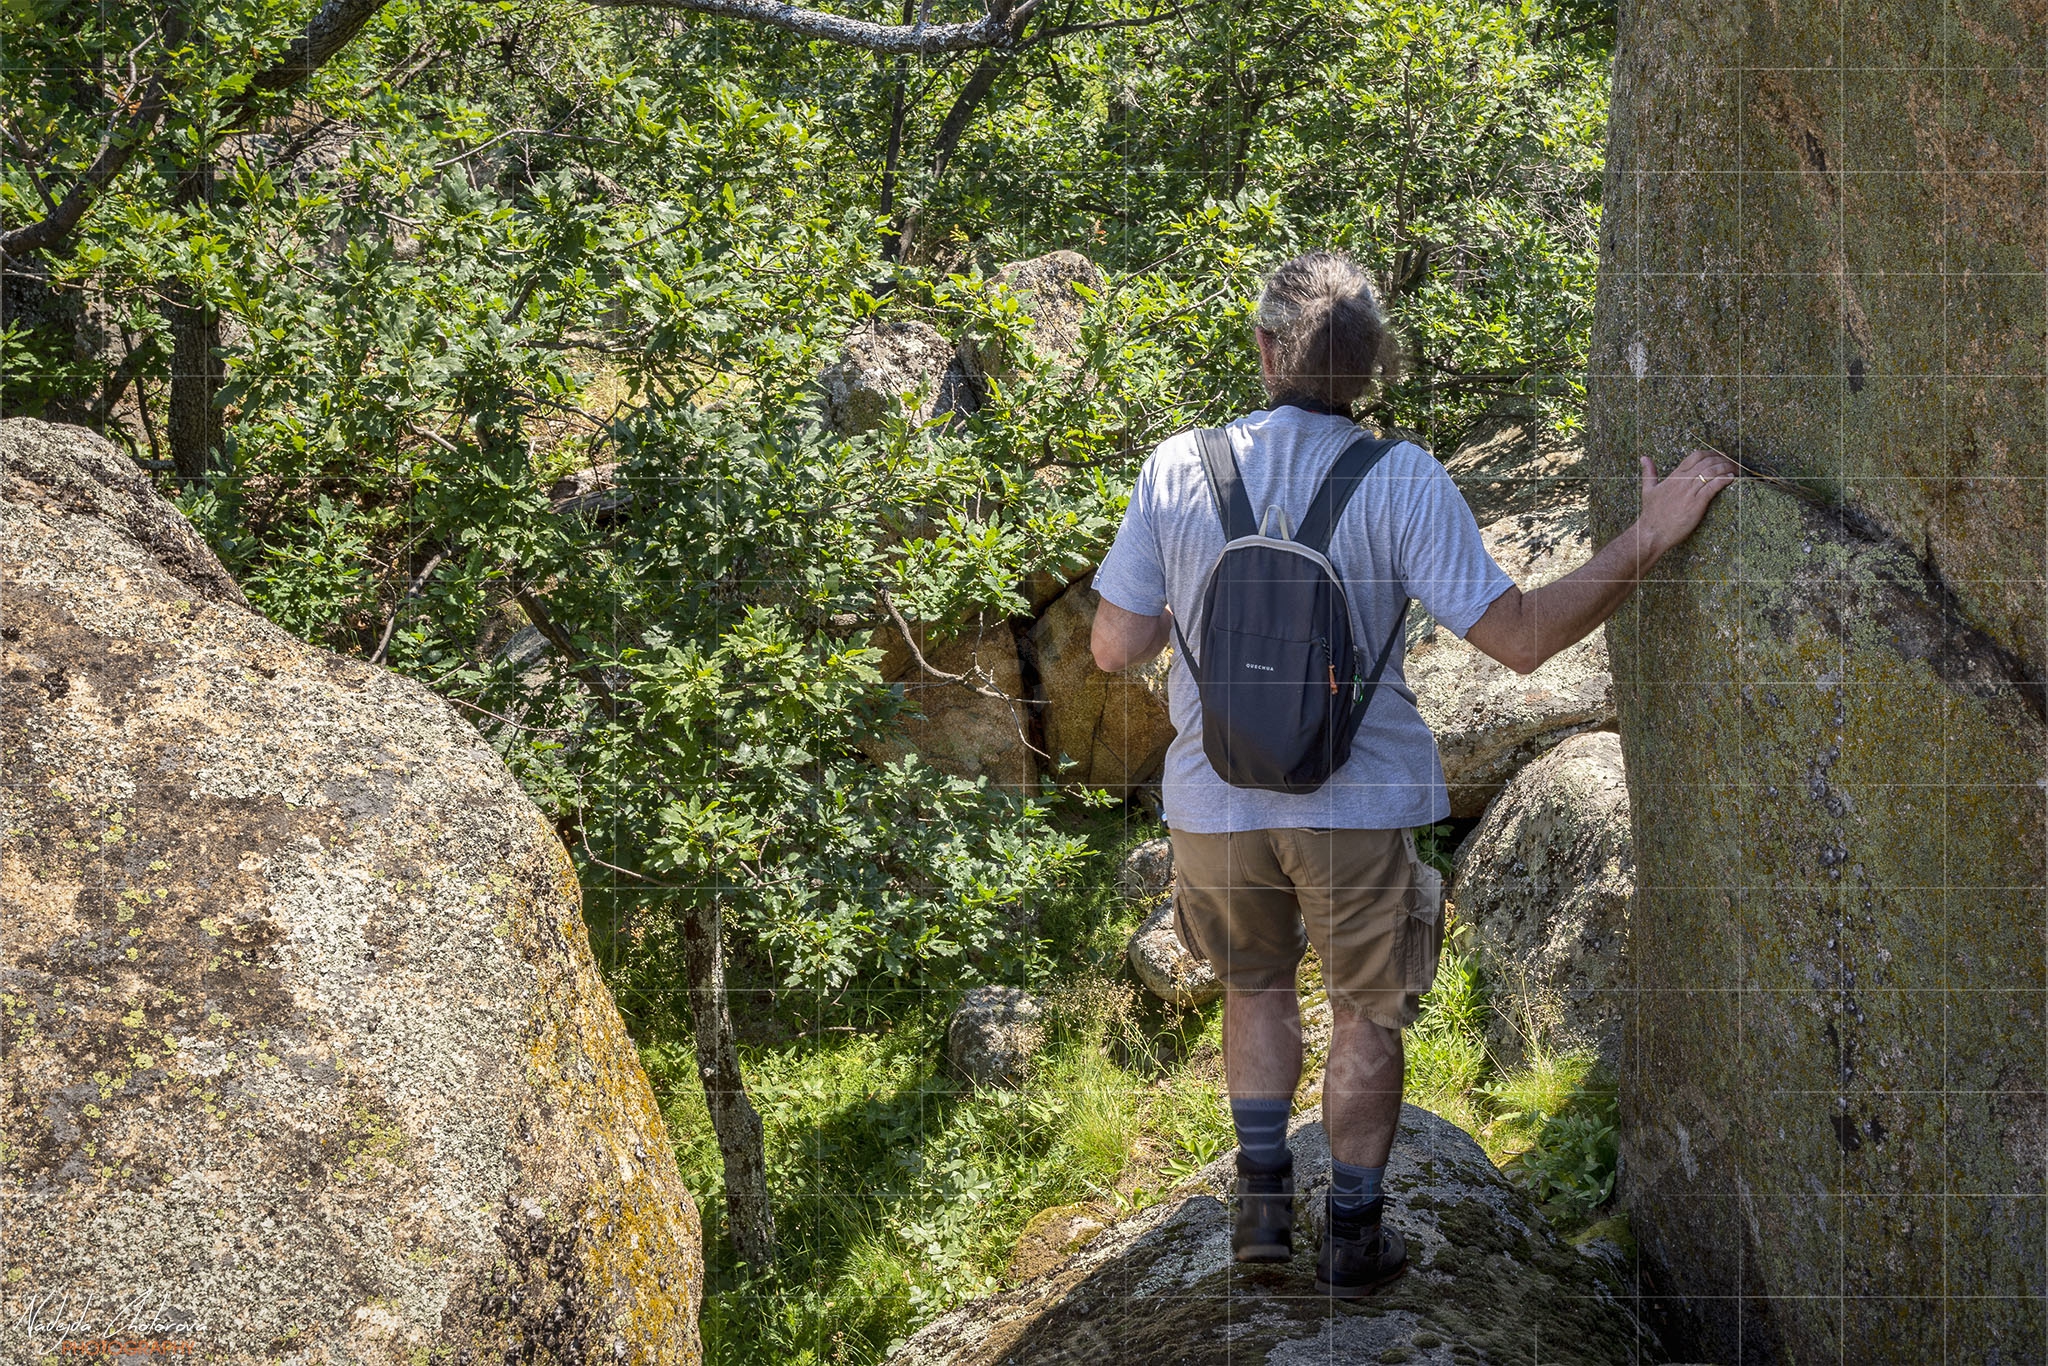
<point x="1329" y="662"/>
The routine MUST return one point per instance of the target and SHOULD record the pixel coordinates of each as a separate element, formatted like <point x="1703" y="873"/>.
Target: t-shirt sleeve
<point x="1133" y="573"/>
<point x="1444" y="561"/>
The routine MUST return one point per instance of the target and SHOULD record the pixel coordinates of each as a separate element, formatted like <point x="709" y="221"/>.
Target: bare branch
<point x="412" y="591"/>
<point x="579" y="664"/>
<point x="998" y="28"/>
<point x="974" y="680"/>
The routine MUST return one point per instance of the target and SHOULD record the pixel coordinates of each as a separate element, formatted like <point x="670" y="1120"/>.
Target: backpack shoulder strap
<point x="1345" y="475"/>
<point x="1219" y="462"/>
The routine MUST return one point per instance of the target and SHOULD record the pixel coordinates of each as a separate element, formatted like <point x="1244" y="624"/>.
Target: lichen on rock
<point x="1830" y="701"/>
<point x="303" y="1035"/>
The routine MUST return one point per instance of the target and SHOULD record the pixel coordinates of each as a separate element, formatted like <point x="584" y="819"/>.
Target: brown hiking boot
<point x="1359" y="1253"/>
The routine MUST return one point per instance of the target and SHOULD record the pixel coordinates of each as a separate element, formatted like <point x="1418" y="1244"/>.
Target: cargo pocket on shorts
<point x="1422" y="928"/>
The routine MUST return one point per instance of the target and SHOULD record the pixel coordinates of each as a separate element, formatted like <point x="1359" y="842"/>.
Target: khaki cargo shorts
<point x="1251" y="902"/>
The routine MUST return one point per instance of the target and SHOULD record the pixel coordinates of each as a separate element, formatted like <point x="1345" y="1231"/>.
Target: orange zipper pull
<point x="1333" y="679"/>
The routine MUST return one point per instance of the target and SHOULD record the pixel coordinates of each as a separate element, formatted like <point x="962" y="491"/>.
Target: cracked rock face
<point x="1488" y="1280"/>
<point x="1105" y="730"/>
<point x="304" y="1042"/>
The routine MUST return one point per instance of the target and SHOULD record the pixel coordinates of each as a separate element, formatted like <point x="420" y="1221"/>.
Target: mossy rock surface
<point x="304" y="1042"/>
<point x="1833" y="1098"/>
<point x="1489" y="1282"/>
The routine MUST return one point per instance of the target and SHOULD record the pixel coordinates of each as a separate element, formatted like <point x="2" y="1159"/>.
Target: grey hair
<point x="1330" y="340"/>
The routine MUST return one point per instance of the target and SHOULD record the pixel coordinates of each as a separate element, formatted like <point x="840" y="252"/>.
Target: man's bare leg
<point x="1262" y="1039"/>
<point x="1361" y="1088"/>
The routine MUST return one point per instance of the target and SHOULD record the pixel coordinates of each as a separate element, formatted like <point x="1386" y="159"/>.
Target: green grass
<point x="900" y="1194"/>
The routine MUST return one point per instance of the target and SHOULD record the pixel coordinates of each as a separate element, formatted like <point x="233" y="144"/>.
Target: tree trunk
<point x="196" y="370"/>
<point x="749" y="1220"/>
<point x="1814" y="258"/>
<point x="899" y="80"/>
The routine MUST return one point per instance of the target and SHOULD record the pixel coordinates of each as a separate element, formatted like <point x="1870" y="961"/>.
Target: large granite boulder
<point x="1488" y="1281"/>
<point x="1488" y="720"/>
<point x="1102" y="730"/>
<point x="971" y="703"/>
<point x="1545" y="882"/>
<point x="306" y="1054"/>
<point x="1509" y="467"/>
<point x="1822" y="252"/>
<point x="887" y="367"/>
<point x="1045" y="294"/>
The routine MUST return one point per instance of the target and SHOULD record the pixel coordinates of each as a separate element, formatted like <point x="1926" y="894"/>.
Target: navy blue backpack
<point x="1283" y="688"/>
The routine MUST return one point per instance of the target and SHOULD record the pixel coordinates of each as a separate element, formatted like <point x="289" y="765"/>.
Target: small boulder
<point x="1546" y="881"/>
<point x="1105" y="730"/>
<point x="1045" y="289"/>
<point x="526" y="648"/>
<point x="993" y="1035"/>
<point x="1487" y="1277"/>
<point x="1147" y="871"/>
<point x="886" y="365"/>
<point x="1508" y="467"/>
<point x="1165" y="966"/>
<point x="1488" y="720"/>
<point x="963" y="730"/>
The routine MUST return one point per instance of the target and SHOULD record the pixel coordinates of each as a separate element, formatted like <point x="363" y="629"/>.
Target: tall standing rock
<point x="1822" y="249"/>
<point x="306" y="1057"/>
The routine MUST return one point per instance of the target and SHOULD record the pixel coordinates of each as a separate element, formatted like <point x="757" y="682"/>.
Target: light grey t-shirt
<point x="1406" y="533"/>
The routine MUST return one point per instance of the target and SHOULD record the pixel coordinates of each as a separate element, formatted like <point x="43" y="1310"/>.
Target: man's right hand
<point x="1521" y="630"/>
<point x="1674" y="505"/>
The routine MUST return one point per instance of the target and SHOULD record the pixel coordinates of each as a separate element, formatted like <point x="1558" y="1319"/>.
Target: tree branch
<point x="998" y="28"/>
<point x="119" y="148"/>
<point x="412" y="591"/>
<point x="579" y="664"/>
<point x="327" y="32"/>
